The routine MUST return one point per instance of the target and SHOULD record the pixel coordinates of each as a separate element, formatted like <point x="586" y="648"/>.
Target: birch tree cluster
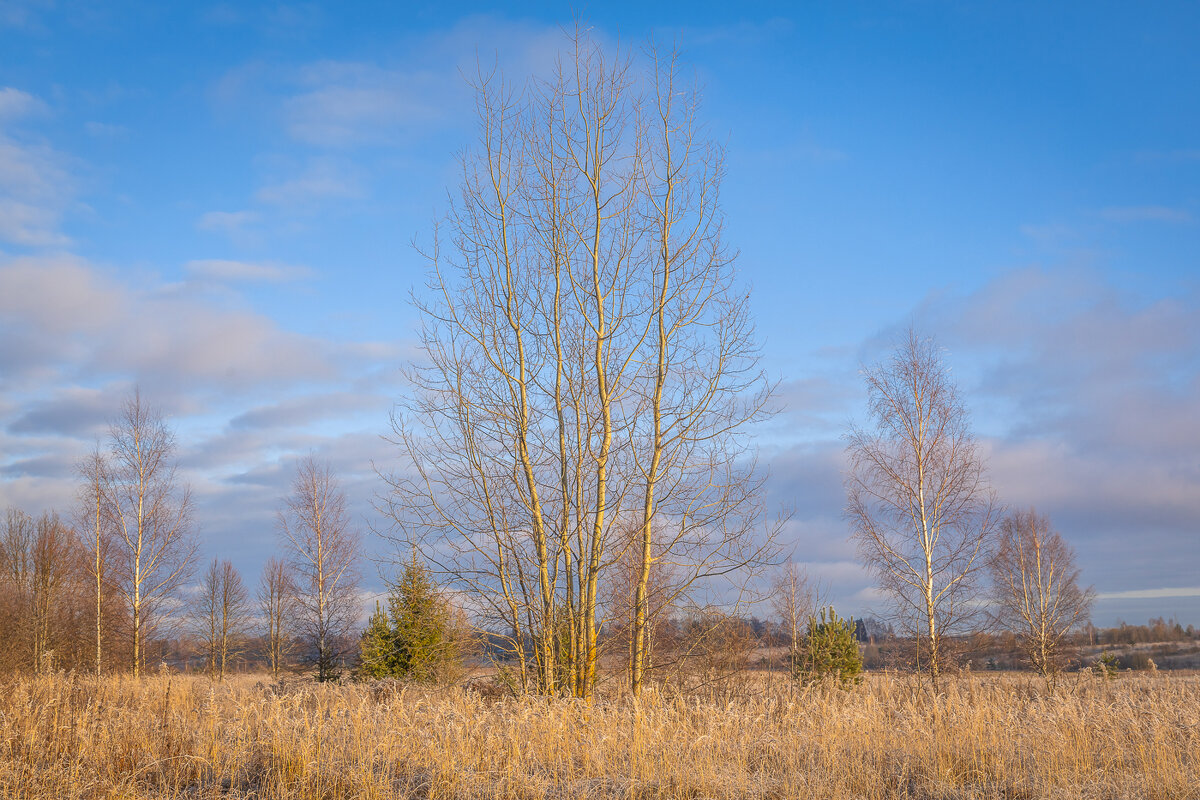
<point x="93" y="592"/>
<point x="589" y="370"/>
<point x="931" y="529"/>
<point x="113" y="590"/>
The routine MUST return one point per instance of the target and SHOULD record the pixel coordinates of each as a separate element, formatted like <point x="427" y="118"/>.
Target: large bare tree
<point x="221" y="615"/>
<point x="1037" y="591"/>
<point x="919" y="503"/>
<point x="324" y="553"/>
<point x="153" y="548"/>
<point x="700" y="384"/>
<point x="590" y="368"/>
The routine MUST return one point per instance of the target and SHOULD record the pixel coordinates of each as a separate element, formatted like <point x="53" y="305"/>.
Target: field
<point x="987" y="737"/>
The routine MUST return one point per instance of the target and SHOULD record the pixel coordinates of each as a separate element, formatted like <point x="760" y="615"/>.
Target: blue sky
<point x="217" y="202"/>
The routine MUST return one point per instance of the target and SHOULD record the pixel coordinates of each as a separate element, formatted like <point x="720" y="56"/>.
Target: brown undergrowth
<point x="986" y="737"/>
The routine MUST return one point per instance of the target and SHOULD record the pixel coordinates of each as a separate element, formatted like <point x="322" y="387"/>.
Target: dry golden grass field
<point x="986" y="737"/>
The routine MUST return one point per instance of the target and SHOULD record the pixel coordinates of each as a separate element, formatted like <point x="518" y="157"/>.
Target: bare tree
<point x="590" y="370"/>
<point x="153" y="546"/>
<point x="276" y="593"/>
<point x="221" y="615"/>
<point x="324" y="550"/>
<point x="1037" y="589"/>
<point x="701" y="384"/>
<point x="44" y="602"/>
<point x="57" y="570"/>
<point x="95" y="517"/>
<point x="794" y="599"/>
<point x="661" y="591"/>
<point x="919" y="503"/>
<point x="16" y="588"/>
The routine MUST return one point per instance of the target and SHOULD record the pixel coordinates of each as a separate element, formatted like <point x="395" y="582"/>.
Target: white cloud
<point x="241" y="227"/>
<point x="336" y="104"/>
<point x="1169" y="156"/>
<point x="15" y="103"/>
<point x="30" y="225"/>
<point x="303" y="410"/>
<point x="87" y="323"/>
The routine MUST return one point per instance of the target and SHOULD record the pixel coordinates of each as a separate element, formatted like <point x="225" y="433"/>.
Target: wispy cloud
<point x="105" y="130"/>
<point x="310" y="408"/>
<point x="15" y="103"/>
<point x="744" y="33"/>
<point x="322" y="179"/>
<point x="1145" y="214"/>
<point x="1180" y="156"/>
<point x="35" y="186"/>
<point x="346" y="104"/>
<point x="63" y="314"/>
<point x="221" y="270"/>
<point x="1150" y="594"/>
<point x="239" y="226"/>
<point x="24" y="13"/>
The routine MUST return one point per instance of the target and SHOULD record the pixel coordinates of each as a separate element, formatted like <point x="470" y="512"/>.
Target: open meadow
<point x="988" y="736"/>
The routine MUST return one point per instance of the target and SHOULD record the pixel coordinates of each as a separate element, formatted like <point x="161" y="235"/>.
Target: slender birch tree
<point x="95" y="517"/>
<point x="276" y="593"/>
<point x="324" y="554"/>
<point x="794" y="599"/>
<point x="221" y="615"/>
<point x="918" y="499"/>
<point x="153" y="548"/>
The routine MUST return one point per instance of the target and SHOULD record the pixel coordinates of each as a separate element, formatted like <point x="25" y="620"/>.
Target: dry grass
<point x="160" y="737"/>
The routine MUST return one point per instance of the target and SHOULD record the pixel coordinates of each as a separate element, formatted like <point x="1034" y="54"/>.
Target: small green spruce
<point x="829" y="651"/>
<point x="416" y="639"/>
<point x="1107" y="666"/>
<point x="377" y="647"/>
<point x="421" y="622"/>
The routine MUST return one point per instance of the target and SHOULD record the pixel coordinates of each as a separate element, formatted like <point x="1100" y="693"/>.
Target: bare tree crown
<point x="591" y="368"/>
<point x="918" y="501"/>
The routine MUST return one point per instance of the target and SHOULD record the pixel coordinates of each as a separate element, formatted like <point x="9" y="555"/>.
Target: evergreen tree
<point x="420" y="622"/>
<point x="830" y="650"/>
<point x="377" y="647"/>
<point x="417" y="638"/>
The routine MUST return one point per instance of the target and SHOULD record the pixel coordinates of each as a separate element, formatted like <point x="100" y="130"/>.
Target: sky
<point x="218" y="203"/>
